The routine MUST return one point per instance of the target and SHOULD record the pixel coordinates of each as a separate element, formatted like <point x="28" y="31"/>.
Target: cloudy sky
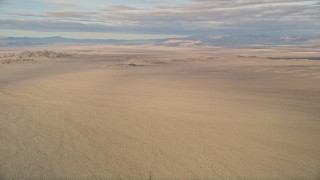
<point x="145" y="19"/>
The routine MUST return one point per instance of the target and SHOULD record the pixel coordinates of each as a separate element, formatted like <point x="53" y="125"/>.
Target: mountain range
<point x="197" y="40"/>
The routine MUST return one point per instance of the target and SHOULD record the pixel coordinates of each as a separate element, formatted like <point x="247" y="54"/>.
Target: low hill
<point x="31" y="56"/>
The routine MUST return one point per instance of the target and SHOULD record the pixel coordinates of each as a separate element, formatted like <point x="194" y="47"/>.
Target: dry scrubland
<point x="144" y="112"/>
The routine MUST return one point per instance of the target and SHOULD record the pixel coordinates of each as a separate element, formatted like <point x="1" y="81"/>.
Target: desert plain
<point x="151" y="112"/>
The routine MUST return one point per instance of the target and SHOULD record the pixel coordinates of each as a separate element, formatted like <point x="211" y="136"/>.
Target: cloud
<point x="63" y="4"/>
<point x="3" y="2"/>
<point x="190" y="17"/>
<point x="58" y="26"/>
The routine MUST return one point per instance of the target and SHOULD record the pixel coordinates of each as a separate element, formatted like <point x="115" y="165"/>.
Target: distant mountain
<point x="239" y="40"/>
<point x="27" y="41"/>
<point x="197" y="40"/>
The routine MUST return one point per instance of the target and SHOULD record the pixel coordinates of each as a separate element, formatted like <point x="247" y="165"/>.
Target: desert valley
<point x="154" y="112"/>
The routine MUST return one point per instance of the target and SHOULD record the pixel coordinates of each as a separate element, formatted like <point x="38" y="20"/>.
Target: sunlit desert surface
<point x="144" y="112"/>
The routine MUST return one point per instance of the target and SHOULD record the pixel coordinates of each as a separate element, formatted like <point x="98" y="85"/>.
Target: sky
<point x="153" y="19"/>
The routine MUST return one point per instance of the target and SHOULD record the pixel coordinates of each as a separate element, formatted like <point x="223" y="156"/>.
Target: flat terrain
<point x="161" y="113"/>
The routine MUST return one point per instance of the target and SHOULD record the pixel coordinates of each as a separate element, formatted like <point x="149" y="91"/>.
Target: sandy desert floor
<point x="161" y="113"/>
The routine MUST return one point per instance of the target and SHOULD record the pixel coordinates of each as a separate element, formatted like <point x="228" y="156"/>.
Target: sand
<point x="141" y="112"/>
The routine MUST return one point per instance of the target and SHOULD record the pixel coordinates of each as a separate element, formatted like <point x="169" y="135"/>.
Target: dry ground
<point x="159" y="113"/>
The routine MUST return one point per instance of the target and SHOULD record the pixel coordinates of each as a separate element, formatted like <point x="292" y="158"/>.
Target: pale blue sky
<point x="144" y="19"/>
